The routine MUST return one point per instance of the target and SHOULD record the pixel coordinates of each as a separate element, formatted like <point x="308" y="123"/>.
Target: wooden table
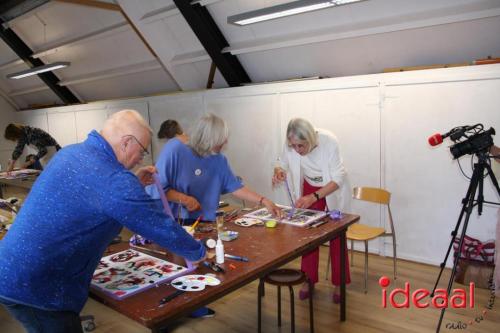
<point x="266" y="248"/>
<point x="25" y="182"/>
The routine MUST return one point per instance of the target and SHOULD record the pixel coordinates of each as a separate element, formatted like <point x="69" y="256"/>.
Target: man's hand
<point x="197" y="262"/>
<point x="145" y="175"/>
<point x="495" y="151"/>
<point x="191" y="203"/>
<point x="279" y="176"/>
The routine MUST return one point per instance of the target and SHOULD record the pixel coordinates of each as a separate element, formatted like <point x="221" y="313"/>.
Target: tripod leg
<point x="465" y="201"/>
<point x="475" y="180"/>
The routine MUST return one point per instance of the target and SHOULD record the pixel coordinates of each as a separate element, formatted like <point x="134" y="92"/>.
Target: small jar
<point x="219" y="220"/>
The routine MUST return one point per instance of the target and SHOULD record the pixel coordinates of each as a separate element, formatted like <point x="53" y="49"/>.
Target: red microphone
<point x="435" y="139"/>
<point x="454" y="133"/>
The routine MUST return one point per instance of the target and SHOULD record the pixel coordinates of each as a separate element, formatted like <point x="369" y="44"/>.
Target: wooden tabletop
<point x="24" y="182"/>
<point x="266" y="249"/>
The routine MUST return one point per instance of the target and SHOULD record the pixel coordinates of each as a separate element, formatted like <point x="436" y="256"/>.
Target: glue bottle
<point x="219" y="252"/>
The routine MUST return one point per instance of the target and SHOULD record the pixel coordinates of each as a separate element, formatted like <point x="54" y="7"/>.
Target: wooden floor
<point x="237" y="312"/>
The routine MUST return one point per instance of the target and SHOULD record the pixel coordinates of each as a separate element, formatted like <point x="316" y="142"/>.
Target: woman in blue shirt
<point x="196" y="174"/>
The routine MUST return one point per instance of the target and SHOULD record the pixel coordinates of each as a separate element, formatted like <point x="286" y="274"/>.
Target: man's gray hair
<point x="208" y="133"/>
<point x="303" y="130"/>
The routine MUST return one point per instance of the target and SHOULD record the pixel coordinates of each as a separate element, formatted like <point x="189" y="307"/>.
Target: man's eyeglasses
<point x="144" y="150"/>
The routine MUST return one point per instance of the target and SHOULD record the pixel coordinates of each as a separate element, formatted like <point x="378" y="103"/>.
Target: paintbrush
<point x="195" y="223"/>
<point x="290" y="214"/>
<point x="137" y="247"/>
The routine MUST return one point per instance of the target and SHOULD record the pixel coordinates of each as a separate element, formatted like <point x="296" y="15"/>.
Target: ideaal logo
<point x="457" y="299"/>
<point x="483" y="314"/>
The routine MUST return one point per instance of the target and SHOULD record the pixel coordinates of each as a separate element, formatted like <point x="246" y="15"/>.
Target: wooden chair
<point x="363" y="232"/>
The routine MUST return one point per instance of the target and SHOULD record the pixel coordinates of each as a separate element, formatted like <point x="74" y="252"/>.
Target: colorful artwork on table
<point x="21" y="173"/>
<point x="128" y="272"/>
<point x="294" y="216"/>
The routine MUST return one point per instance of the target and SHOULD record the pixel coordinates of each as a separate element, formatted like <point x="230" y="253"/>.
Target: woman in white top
<point x="312" y="163"/>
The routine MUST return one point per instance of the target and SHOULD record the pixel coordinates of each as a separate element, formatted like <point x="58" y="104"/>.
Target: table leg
<point x="342" y="275"/>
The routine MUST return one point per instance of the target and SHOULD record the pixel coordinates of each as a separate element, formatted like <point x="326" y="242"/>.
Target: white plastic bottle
<point x="219" y="252"/>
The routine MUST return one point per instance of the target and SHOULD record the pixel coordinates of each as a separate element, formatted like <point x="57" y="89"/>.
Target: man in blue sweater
<point x="75" y="208"/>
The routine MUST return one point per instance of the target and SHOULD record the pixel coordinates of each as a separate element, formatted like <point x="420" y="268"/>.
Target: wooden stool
<point x="281" y="278"/>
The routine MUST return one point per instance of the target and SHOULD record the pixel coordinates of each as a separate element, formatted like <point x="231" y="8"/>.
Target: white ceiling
<point x="109" y="60"/>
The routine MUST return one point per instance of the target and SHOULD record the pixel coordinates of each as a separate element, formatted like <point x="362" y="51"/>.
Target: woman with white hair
<point x="311" y="160"/>
<point x="195" y="175"/>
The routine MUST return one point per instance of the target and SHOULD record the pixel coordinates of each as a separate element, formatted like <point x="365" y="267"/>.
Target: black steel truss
<point x="212" y="39"/>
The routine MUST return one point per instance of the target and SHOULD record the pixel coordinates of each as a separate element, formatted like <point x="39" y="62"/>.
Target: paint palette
<point x="194" y="282"/>
<point x="128" y="272"/>
<point x="299" y="217"/>
<point x="248" y="222"/>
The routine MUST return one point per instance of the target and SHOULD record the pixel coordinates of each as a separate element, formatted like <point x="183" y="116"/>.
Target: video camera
<point x="468" y="140"/>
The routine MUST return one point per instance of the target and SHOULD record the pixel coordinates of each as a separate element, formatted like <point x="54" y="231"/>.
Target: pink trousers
<point x="310" y="261"/>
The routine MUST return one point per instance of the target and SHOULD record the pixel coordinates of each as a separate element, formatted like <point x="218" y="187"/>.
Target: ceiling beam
<point x="170" y="10"/>
<point x="9" y="99"/>
<point x="101" y="33"/>
<point x="25" y="53"/>
<point x="212" y="39"/>
<point x="10" y="9"/>
<point x="95" y="4"/>
<point x="189" y="58"/>
<point x="118" y="8"/>
<point x="142" y="67"/>
<point x="205" y="2"/>
<point x="160" y="14"/>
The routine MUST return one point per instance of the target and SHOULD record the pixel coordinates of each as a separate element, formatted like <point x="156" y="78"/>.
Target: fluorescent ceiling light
<point x="286" y="9"/>
<point x="38" y="70"/>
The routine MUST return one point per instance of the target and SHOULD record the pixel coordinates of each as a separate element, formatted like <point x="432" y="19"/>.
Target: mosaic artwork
<point x="22" y="173"/>
<point x="294" y="216"/>
<point x="128" y="272"/>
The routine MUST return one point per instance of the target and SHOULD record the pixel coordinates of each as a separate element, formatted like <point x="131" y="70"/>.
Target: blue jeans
<point x="36" y="320"/>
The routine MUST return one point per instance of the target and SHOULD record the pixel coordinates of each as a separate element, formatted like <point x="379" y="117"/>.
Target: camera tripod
<point x="468" y="203"/>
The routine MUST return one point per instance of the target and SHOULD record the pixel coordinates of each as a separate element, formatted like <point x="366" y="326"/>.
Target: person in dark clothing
<point x="27" y="135"/>
<point x="32" y="163"/>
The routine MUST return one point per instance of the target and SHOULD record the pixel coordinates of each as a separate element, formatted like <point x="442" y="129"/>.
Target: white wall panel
<point x="62" y="127"/>
<point x="86" y="121"/>
<point x="426" y="182"/>
<point x="353" y="115"/>
<point x="252" y="147"/>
